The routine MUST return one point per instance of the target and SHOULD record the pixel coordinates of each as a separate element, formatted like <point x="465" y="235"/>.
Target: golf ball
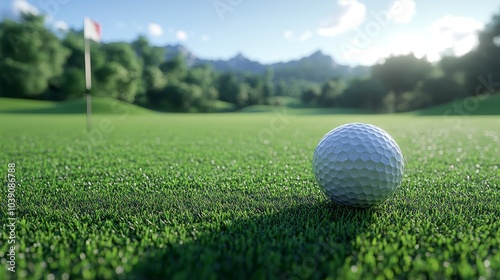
<point x="358" y="165"/>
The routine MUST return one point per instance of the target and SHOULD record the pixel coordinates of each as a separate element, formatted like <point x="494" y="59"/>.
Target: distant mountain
<point x="238" y="63"/>
<point x="317" y="67"/>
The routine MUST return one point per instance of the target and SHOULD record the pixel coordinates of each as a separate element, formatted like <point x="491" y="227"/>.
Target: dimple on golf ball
<point x="358" y="165"/>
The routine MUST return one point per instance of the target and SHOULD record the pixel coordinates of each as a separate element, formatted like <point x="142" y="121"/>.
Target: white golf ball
<point x="358" y="165"/>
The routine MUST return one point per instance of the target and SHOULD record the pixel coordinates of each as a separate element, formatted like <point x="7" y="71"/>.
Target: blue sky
<point x="352" y="31"/>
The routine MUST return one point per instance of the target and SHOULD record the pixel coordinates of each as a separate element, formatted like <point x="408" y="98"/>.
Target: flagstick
<point x="88" y="83"/>
<point x="89" y="111"/>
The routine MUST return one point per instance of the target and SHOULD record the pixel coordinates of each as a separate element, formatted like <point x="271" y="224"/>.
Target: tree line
<point x="405" y="83"/>
<point x="38" y="63"/>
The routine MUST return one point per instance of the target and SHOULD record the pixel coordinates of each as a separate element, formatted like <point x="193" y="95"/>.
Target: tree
<point x="180" y="96"/>
<point x="173" y="87"/>
<point x="154" y="78"/>
<point x="203" y="77"/>
<point x="445" y="84"/>
<point x="72" y="83"/>
<point x="149" y="55"/>
<point x="121" y="76"/>
<point x="243" y="94"/>
<point x="228" y="86"/>
<point x="29" y="53"/>
<point x="482" y="66"/>
<point x="268" y="90"/>
<point x="439" y="90"/>
<point x="401" y="74"/>
<point x="256" y="92"/>
<point x="311" y="95"/>
<point x="489" y="46"/>
<point x="330" y="92"/>
<point x="175" y="69"/>
<point x="154" y="81"/>
<point x="365" y="94"/>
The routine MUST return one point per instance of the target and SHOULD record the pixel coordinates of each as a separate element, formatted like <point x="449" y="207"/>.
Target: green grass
<point x="301" y="111"/>
<point x="16" y="104"/>
<point x="481" y="105"/>
<point x="286" y="101"/>
<point x="221" y="106"/>
<point x="100" y="105"/>
<point x="232" y="196"/>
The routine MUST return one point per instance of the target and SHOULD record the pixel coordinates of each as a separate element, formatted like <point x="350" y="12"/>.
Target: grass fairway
<point x="17" y="104"/>
<point x="232" y="196"/>
<point x="478" y="105"/>
<point x="100" y="105"/>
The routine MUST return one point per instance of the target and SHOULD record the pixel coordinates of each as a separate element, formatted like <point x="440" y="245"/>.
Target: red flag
<point x="92" y="30"/>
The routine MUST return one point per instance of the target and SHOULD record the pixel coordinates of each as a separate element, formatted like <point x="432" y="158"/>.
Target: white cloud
<point x="368" y="56"/>
<point x="181" y="35"/>
<point x="205" y="38"/>
<point x="155" y="29"/>
<point x="402" y="11"/>
<point x="288" y="34"/>
<point x="457" y="35"/>
<point x="61" y="25"/>
<point x="448" y="35"/>
<point x="350" y="14"/>
<point x="22" y="6"/>
<point x="398" y="44"/>
<point x="305" y="36"/>
<point x="403" y="44"/>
